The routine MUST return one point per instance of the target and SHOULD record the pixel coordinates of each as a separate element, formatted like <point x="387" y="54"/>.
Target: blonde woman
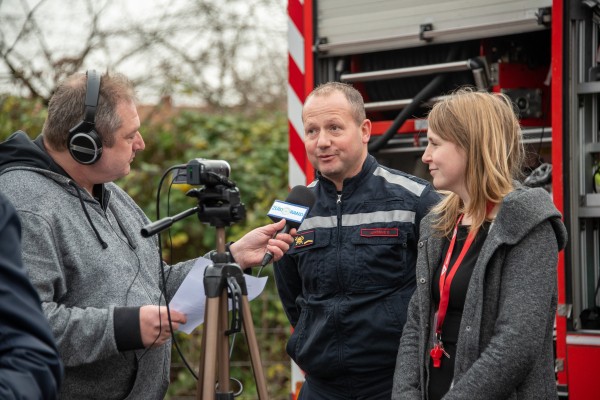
<point x="480" y="322"/>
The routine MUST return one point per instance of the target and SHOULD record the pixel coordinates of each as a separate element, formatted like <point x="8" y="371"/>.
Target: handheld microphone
<point x="295" y="207"/>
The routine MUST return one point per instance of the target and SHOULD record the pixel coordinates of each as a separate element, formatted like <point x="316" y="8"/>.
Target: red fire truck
<point x="544" y="54"/>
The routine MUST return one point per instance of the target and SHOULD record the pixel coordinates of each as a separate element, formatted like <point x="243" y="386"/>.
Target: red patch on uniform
<point x="379" y="232"/>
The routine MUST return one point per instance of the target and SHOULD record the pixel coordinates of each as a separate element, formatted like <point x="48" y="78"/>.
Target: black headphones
<point x="84" y="143"/>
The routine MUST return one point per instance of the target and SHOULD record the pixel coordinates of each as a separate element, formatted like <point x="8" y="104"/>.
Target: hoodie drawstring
<point x="102" y="242"/>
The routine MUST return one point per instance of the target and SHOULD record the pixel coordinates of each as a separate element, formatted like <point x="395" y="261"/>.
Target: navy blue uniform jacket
<point x="346" y="282"/>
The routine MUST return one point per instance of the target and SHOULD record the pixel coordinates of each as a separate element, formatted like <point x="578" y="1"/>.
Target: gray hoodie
<point x="92" y="270"/>
<point x="505" y="344"/>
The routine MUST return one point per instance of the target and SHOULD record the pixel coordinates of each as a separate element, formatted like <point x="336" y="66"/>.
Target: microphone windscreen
<point x="296" y="206"/>
<point x="301" y="195"/>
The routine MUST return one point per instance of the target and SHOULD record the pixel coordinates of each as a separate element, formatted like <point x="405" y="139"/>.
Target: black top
<point x="441" y="378"/>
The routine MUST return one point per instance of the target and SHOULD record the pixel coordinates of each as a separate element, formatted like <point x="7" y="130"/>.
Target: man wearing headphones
<point x="97" y="277"/>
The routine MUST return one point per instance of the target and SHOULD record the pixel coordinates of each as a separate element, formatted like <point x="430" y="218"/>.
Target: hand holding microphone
<point x="294" y="209"/>
<point x="249" y="250"/>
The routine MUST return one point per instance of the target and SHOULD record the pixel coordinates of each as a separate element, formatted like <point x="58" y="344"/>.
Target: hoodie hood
<point x="20" y="151"/>
<point x="524" y="209"/>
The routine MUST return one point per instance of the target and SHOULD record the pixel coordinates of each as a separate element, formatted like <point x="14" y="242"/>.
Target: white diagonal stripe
<point x="296" y="175"/>
<point x="295" y="112"/>
<point x="296" y="45"/>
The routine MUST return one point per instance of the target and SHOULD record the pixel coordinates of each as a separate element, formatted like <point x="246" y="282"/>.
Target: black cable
<point x="146" y="350"/>
<point x="87" y="214"/>
<point x="131" y="245"/>
<point x="163" y="290"/>
<point x="176" y="167"/>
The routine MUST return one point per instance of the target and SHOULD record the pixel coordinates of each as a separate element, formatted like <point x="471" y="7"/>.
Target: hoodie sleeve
<point x="83" y="334"/>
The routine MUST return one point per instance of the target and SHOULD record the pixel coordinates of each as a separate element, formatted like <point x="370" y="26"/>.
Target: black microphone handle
<point x="157" y="226"/>
<point x="268" y="255"/>
<point x="162" y="224"/>
<point x="286" y="229"/>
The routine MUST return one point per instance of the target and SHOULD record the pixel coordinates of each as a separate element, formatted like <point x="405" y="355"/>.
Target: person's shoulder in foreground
<point x="30" y="367"/>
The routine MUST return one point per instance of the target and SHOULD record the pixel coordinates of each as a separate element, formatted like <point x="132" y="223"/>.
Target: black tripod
<point x="221" y="281"/>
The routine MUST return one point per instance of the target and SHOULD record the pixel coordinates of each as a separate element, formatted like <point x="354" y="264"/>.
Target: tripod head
<point x="218" y="205"/>
<point x="219" y="201"/>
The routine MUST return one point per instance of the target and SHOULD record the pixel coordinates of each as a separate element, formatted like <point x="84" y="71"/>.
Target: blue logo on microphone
<point x="288" y="211"/>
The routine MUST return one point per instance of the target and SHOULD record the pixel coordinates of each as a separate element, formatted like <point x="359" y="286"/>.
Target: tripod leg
<point x="223" y="342"/>
<point x="259" y="377"/>
<point x="200" y="381"/>
<point x="210" y="350"/>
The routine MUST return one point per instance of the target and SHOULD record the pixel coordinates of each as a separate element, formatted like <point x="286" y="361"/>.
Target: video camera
<point x="219" y="201"/>
<point x="200" y="171"/>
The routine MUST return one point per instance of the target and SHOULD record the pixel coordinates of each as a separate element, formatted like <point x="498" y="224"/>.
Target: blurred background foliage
<point x="255" y="144"/>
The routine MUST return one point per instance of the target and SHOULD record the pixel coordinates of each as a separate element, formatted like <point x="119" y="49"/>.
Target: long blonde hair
<point x="486" y="127"/>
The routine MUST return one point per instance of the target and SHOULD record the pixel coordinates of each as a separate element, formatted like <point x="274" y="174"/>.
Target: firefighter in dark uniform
<point x="346" y="283"/>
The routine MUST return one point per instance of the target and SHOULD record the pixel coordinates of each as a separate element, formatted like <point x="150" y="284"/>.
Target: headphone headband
<point x="84" y="143"/>
<point x="92" y="94"/>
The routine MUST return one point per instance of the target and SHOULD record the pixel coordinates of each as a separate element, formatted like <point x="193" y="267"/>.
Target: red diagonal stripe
<point x="295" y="78"/>
<point x="295" y="13"/>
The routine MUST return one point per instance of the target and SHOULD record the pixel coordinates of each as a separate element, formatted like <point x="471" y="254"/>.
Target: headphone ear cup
<point x="84" y="143"/>
<point x="85" y="147"/>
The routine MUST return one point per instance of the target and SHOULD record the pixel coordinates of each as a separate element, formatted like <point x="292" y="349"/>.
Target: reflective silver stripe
<point x="358" y="219"/>
<point x="378" y="216"/>
<point x="403" y="181"/>
<point x="318" y="222"/>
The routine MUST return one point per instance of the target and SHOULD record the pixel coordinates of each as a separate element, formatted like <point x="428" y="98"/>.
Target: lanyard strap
<point x="446" y="280"/>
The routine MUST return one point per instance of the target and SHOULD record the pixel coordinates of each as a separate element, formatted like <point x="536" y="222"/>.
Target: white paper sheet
<point x="190" y="298"/>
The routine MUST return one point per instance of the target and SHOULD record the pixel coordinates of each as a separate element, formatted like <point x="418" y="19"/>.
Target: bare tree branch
<point x="211" y="52"/>
<point x="25" y="26"/>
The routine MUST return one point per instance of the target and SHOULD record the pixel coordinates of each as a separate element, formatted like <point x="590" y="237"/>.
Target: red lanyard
<point x="446" y="280"/>
<point x="445" y="284"/>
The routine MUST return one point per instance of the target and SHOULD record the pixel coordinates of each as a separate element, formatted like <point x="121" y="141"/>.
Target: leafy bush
<point x="21" y="114"/>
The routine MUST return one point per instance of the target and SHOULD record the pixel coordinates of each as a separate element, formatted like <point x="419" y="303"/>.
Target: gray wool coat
<point x="505" y="345"/>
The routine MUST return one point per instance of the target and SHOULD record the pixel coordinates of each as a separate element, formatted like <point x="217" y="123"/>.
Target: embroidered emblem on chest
<point x="304" y="239"/>
<point x="379" y="232"/>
